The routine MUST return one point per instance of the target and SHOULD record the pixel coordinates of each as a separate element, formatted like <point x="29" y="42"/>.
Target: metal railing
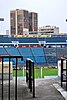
<point x="2" y="59"/>
<point x="30" y="76"/>
<point x="63" y="72"/>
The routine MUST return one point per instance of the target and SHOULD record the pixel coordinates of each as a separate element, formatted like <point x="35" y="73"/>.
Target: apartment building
<point x="33" y="21"/>
<point x="22" y="21"/>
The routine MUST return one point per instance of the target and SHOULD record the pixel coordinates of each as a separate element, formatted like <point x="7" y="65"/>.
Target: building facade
<point x="33" y="21"/>
<point x="21" y="22"/>
<point x="49" y="29"/>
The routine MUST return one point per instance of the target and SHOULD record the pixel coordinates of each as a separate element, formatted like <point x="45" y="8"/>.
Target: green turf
<point x="45" y="72"/>
<point x="19" y="72"/>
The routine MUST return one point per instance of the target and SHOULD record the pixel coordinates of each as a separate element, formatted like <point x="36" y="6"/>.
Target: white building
<point x="49" y="29"/>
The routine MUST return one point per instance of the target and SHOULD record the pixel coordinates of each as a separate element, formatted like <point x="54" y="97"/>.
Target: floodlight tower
<point x="1" y="19"/>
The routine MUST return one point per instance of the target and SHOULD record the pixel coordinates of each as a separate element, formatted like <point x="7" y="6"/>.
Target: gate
<point x="30" y="76"/>
<point x="9" y="59"/>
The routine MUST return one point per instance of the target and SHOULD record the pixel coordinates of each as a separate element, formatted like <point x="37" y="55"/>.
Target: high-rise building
<point x="33" y="21"/>
<point x="19" y="21"/>
<point x="23" y="21"/>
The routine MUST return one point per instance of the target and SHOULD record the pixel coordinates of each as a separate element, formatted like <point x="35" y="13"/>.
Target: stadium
<point x="30" y="56"/>
<point x="43" y="51"/>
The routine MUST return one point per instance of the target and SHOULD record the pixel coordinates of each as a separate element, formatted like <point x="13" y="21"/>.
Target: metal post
<point x="26" y="71"/>
<point x="16" y="82"/>
<point x="41" y="72"/>
<point x="33" y="82"/>
<point x="9" y="79"/>
<point x="2" y="78"/>
<point x="15" y="57"/>
<point x="66" y="70"/>
<point x="23" y="71"/>
<point x="30" y="76"/>
<point x="56" y="54"/>
<point x="61" y="71"/>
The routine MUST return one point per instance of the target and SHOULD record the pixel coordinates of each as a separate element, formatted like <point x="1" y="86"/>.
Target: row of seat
<point x="41" y="56"/>
<point x="32" y="40"/>
<point x="36" y="54"/>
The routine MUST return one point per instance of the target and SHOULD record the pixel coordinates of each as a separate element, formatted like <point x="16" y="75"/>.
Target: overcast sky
<point x="50" y="12"/>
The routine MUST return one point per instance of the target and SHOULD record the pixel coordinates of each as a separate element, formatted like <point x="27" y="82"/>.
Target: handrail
<point x="30" y="76"/>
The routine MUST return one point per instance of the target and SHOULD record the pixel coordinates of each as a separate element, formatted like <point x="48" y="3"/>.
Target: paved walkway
<point x="45" y="90"/>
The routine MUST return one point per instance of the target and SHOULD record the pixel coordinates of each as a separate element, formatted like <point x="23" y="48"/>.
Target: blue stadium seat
<point x="2" y="51"/>
<point x="5" y="40"/>
<point x="37" y="51"/>
<point x="40" y="59"/>
<point x="25" y="52"/>
<point x="36" y="54"/>
<point x="12" y="51"/>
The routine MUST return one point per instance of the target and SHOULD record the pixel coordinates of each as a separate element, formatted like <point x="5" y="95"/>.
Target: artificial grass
<point x="46" y="72"/>
<point x="37" y="72"/>
<point x="19" y="73"/>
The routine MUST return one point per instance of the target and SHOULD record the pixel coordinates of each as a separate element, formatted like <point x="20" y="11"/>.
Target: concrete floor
<point x="46" y="89"/>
